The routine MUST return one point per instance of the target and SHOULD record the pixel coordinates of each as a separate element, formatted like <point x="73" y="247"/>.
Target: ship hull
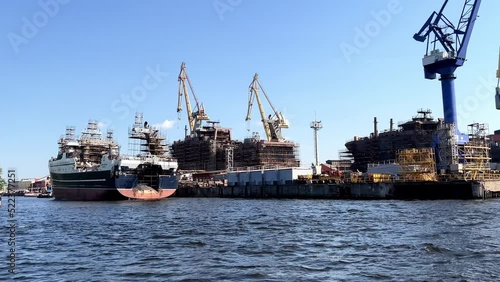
<point x="379" y="147"/>
<point x="384" y="147"/>
<point x="102" y="186"/>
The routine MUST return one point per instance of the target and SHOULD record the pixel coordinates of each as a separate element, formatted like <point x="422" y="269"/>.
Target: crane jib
<point x="453" y="40"/>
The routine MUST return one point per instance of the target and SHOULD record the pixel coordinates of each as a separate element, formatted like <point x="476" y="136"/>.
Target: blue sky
<point x="65" y="62"/>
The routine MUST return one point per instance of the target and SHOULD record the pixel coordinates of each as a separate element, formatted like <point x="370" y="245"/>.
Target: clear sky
<point x="65" y="62"/>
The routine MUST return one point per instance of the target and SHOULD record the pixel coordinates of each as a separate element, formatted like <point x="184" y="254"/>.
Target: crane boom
<point x="454" y="40"/>
<point x="184" y="92"/>
<point x="272" y="124"/>
<point x="194" y="117"/>
<point x="254" y="93"/>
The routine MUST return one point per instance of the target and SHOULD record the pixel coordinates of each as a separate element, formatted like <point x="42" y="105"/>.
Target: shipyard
<point x="422" y="158"/>
<point x="230" y="140"/>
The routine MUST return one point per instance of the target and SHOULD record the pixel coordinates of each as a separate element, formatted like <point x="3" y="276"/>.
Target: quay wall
<point x="380" y="190"/>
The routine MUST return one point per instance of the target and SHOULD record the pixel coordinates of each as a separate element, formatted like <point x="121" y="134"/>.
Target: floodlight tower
<point x="316" y="126"/>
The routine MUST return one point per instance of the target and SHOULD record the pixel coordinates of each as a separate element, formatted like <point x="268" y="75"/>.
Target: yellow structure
<point x="272" y="123"/>
<point x="476" y="153"/>
<point x="198" y="115"/>
<point x="417" y="164"/>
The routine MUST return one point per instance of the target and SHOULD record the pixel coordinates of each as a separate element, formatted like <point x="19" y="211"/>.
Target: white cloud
<point x="102" y="125"/>
<point x="166" y="124"/>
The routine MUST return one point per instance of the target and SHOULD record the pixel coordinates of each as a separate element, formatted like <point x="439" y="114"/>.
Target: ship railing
<point x="138" y="158"/>
<point x="370" y="178"/>
<point x="128" y="157"/>
<point x="486" y="175"/>
<point x="147" y="157"/>
<point x="361" y="138"/>
<point x="259" y="167"/>
<point x="403" y="122"/>
<point x="391" y="161"/>
<point x="421" y="177"/>
<point x="358" y="138"/>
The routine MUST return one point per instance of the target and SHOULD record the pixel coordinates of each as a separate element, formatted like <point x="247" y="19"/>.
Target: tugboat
<point x="90" y="168"/>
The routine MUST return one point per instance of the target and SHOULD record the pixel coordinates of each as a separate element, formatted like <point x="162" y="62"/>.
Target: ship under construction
<point x="382" y="146"/>
<point x="424" y="147"/>
<point x="207" y="146"/>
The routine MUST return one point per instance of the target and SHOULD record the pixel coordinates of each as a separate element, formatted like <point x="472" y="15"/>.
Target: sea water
<point x="201" y="239"/>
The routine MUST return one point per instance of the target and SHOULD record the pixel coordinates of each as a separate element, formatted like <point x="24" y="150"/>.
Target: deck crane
<point x="272" y="123"/>
<point x="454" y="40"/>
<point x="198" y="115"/>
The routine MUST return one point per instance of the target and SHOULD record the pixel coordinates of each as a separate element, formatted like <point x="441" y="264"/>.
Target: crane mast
<point x="497" y="96"/>
<point x="194" y="117"/>
<point x="454" y="40"/>
<point x="254" y="93"/>
<point x="272" y="124"/>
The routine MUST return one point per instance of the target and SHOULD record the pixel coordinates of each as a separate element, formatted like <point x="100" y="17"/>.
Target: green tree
<point x="3" y="184"/>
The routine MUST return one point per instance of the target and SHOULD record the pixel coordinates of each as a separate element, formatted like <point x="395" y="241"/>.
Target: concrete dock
<point x="365" y="191"/>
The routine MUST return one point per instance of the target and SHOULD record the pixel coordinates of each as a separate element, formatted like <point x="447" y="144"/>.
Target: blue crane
<point x="439" y="30"/>
<point x="497" y="90"/>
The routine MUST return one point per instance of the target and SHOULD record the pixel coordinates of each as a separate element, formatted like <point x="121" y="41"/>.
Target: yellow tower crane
<point x="272" y="123"/>
<point x="194" y="117"/>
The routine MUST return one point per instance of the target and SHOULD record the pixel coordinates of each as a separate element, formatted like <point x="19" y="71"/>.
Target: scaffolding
<point x="69" y="137"/>
<point x="447" y="144"/>
<point x="89" y="148"/>
<point x="134" y="144"/>
<point x="206" y="150"/>
<point x="209" y="150"/>
<point x="417" y="164"/>
<point x="254" y="152"/>
<point x="475" y="154"/>
<point x="70" y="133"/>
<point x="229" y="158"/>
<point x="145" y="140"/>
<point x="93" y="145"/>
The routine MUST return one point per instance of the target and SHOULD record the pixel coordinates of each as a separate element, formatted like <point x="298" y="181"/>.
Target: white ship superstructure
<point x="91" y="168"/>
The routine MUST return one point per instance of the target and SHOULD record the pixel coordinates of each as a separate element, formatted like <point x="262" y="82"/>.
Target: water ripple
<point x="255" y="240"/>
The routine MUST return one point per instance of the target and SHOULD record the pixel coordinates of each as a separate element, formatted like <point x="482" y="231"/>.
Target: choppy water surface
<point x="260" y="240"/>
